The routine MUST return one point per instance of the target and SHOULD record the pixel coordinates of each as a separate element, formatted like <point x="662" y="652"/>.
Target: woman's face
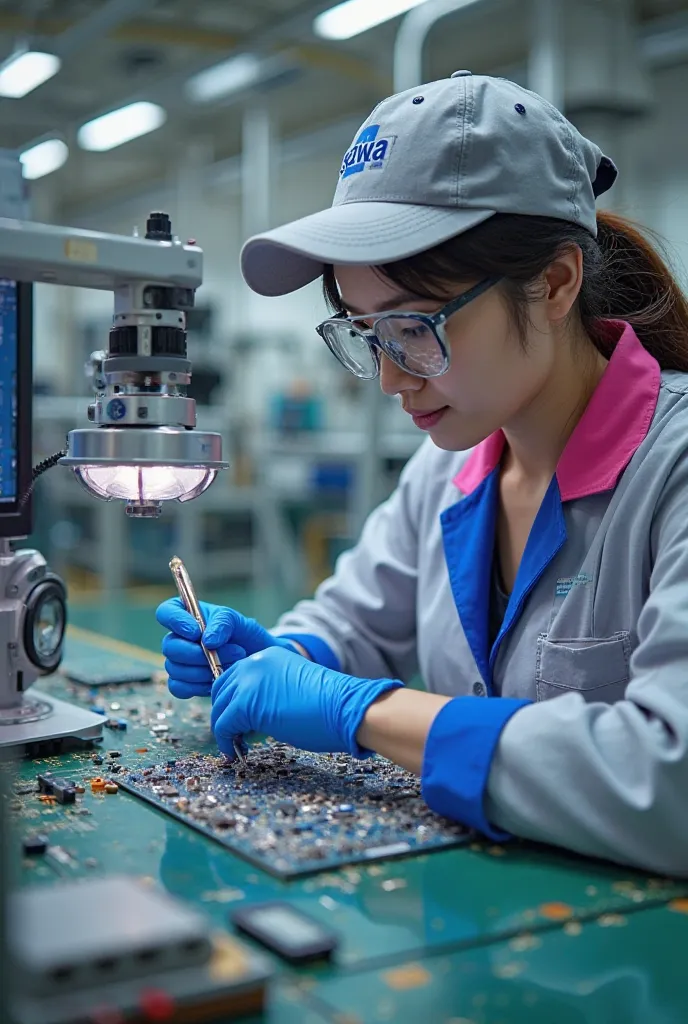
<point x="491" y="378"/>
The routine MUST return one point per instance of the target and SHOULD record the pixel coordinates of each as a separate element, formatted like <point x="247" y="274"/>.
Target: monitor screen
<point x="15" y="406"/>
<point x="8" y="391"/>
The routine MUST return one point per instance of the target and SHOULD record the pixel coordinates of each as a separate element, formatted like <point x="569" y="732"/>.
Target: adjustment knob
<point x="159" y="227"/>
<point x="169" y="341"/>
<point x="124" y="341"/>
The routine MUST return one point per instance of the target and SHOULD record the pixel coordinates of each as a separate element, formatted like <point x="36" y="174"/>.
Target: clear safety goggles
<point x="415" y="342"/>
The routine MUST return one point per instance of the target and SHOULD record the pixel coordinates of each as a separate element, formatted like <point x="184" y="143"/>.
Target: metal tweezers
<point x="190" y="601"/>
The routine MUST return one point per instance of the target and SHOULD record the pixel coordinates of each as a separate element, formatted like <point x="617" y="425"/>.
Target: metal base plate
<point x="30" y="710"/>
<point x="64" y="720"/>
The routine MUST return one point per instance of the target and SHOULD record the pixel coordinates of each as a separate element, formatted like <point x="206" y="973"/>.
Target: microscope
<point x="141" y="447"/>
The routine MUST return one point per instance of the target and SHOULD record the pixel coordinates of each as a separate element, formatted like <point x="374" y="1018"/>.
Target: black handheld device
<point x="282" y="928"/>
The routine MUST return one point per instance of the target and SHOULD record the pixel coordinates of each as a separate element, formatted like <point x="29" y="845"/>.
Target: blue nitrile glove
<point x="227" y="631"/>
<point x="283" y="695"/>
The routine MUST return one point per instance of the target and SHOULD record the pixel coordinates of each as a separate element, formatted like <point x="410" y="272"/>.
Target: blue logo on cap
<point x="367" y="151"/>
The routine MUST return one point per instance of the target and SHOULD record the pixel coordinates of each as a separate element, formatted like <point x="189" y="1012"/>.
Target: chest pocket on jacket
<point x="597" y="668"/>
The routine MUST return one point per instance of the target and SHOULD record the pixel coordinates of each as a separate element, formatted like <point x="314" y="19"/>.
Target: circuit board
<point x="294" y="813"/>
<point x="95" y="668"/>
<point x="478" y="931"/>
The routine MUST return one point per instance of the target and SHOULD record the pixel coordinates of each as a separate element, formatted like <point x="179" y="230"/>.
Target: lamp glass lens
<point x="146" y="483"/>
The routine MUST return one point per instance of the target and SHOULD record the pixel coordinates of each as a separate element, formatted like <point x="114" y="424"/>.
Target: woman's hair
<point x="624" y="276"/>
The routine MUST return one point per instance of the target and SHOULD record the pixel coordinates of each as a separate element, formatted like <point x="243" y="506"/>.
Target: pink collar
<point x="614" y="424"/>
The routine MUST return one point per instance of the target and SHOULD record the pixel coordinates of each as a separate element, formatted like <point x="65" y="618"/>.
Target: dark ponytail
<point x="638" y="286"/>
<point x="624" y="276"/>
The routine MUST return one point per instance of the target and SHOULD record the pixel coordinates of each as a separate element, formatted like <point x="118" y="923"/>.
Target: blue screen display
<point x="8" y="390"/>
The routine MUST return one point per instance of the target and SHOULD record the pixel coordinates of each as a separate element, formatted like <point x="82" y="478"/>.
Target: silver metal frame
<point x="51" y="254"/>
<point x="64" y="720"/>
<point x="143" y="446"/>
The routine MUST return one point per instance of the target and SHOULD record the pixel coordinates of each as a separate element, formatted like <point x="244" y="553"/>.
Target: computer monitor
<point x="16" y="340"/>
<point x="16" y="343"/>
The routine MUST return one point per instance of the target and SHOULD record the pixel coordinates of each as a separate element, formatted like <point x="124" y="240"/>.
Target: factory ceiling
<point x="119" y="51"/>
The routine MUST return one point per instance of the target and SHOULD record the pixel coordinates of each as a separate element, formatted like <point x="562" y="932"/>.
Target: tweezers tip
<point x="239" y="752"/>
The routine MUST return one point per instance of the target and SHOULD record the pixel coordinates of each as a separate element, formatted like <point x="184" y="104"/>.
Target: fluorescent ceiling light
<point x="224" y="78"/>
<point x="120" y="126"/>
<point x="43" y="158"/>
<point x="356" y="16"/>
<point x="23" y="72"/>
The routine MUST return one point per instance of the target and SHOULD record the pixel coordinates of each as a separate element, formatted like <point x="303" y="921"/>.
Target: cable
<point x="46" y="464"/>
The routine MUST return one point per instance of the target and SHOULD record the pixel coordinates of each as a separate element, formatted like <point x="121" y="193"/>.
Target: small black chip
<point x="35" y="845"/>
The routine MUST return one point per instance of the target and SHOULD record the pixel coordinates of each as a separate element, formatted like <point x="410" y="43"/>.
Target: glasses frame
<point x="435" y="321"/>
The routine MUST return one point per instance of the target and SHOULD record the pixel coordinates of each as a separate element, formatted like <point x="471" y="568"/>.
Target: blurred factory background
<point x="234" y="117"/>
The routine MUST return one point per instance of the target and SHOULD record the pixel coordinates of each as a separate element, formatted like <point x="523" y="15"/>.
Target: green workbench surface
<point x="483" y="933"/>
<point x="619" y="969"/>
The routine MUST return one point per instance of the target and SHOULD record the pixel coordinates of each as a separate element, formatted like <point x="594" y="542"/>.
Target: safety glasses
<point x="415" y="342"/>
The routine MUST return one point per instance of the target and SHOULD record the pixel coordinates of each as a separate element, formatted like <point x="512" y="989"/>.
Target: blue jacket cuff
<point x="458" y="756"/>
<point x="318" y="651"/>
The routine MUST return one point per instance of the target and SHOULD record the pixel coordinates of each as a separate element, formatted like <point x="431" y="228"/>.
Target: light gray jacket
<point x="573" y="728"/>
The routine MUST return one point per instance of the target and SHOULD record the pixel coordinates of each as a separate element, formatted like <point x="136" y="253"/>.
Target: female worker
<point x="533" y="561"/>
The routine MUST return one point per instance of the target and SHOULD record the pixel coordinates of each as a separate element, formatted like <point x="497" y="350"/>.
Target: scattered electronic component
<point x="124" y="935"/>
<point x="63" y="790"/>
<point x="62" y="856"/>
<point x="116" y="723"/>
<point x="34" y="845"/>
<point x="289" y="932"/>
<point x="294" y="813"/>
<point x="44" y="784"/>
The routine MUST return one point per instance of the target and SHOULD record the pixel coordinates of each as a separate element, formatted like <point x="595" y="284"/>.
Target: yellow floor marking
<point x="108" y="643"/>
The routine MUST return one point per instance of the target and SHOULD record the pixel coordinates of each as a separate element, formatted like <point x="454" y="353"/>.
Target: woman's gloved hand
<point x="227" y="631"/>
<point x="279" y="693"/>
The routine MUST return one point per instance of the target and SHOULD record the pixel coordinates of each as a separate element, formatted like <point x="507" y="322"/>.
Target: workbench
<point x="483" y="934"/>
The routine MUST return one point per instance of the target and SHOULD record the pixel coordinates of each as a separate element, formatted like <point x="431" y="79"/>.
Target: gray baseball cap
<point x="429" y="164"/>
